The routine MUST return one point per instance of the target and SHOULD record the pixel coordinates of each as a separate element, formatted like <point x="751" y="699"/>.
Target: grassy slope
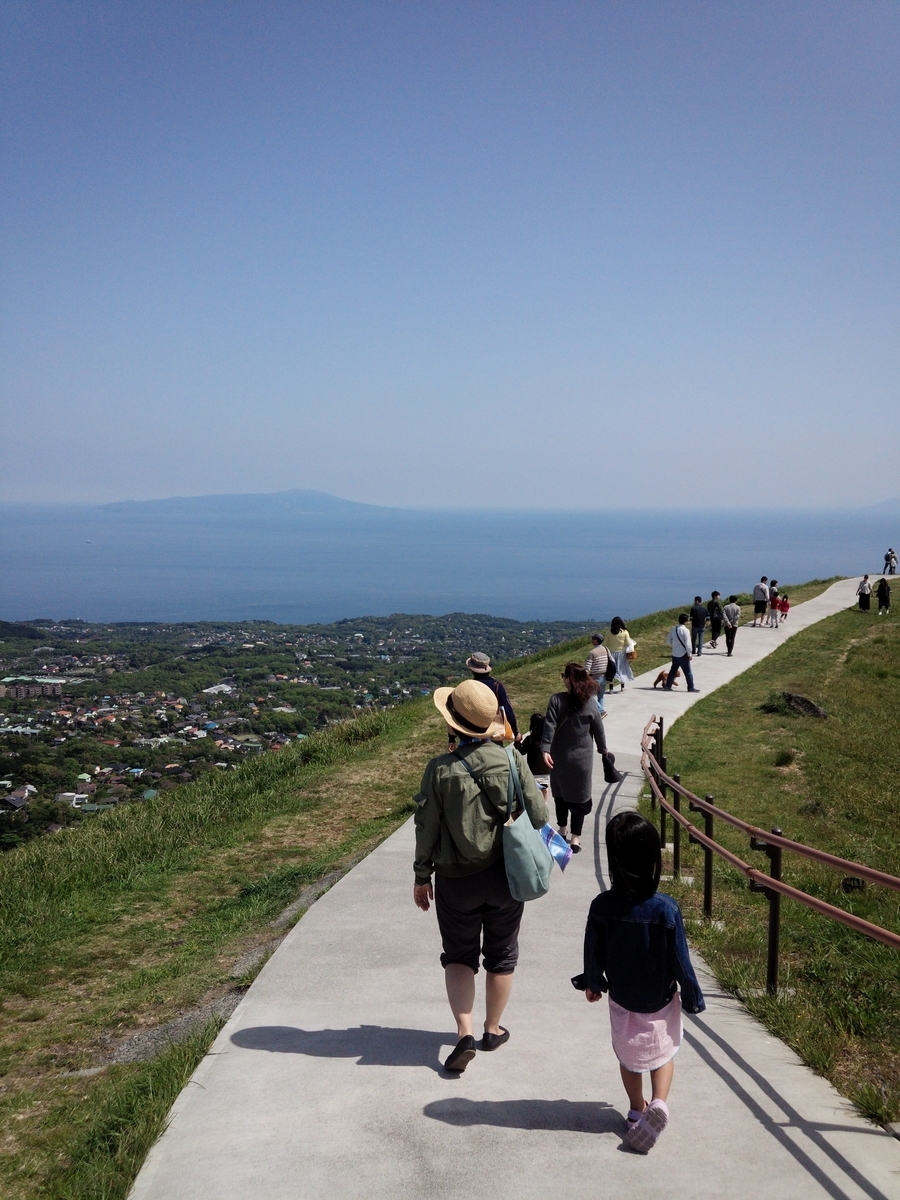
<point x="118" y="926"/>
<point x="831" y="784"/>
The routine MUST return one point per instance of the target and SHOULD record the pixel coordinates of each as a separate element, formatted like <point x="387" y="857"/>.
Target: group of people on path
<point x="685" y="639"/>
<point x="769" y="606"/>
<point x="890" y="561"/>
<point x="635" y="948"/>
<point x="882" y="594"/>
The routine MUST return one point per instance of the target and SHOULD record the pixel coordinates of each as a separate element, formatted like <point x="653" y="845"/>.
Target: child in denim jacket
<point x="635" y="948"/>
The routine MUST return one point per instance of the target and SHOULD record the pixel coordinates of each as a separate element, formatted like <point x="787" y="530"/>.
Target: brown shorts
<point x="476" y="914"/>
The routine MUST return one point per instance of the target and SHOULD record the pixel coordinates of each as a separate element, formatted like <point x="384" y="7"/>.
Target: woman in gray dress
<point x="572" y="727"/>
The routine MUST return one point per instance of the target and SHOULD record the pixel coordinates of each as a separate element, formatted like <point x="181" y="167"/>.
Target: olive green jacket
<point x="459" y="824"/>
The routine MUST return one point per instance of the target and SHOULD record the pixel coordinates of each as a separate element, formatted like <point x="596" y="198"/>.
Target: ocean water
<point x="305" y="557"/>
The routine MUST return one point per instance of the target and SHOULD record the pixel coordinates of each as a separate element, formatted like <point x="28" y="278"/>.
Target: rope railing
<point x="653" y="764"/>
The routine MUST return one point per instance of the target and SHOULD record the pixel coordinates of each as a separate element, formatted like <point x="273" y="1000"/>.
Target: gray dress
<point x="570" y="741"/>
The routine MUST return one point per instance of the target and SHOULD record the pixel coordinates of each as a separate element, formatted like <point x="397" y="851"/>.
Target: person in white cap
<point x="461" y="809"/>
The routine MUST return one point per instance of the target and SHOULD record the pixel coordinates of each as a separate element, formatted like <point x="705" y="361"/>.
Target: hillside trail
<point x="326" y="1081"/>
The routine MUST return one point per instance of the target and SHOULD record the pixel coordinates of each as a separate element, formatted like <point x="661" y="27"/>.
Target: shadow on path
<point x="787" y="1126"/>
<point x="372" y="1045"/>
<point x="556" y="1116"/>
<point x="602" y="818"/>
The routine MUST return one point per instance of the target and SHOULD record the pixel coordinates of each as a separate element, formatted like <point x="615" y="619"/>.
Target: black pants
<point x="578" y="812"/>
<point x="477" y="913"/>
<point x="730" y="634"/>
<point x="715" y="628"/>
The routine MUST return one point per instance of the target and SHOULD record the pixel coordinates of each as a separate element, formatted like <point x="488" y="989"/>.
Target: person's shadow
<point x="371" y="1045"/>
<point x="556" y="1116"/>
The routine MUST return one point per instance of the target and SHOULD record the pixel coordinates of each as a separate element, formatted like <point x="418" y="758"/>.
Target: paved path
<point x="326" y="1082"/>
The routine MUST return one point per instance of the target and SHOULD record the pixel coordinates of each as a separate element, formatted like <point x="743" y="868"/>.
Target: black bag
<point x="612" y="668"/>
<point x="530" y="746"/>
<point x="610" y="774"/>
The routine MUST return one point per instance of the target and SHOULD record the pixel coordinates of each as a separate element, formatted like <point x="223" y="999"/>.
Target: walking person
<point x="716" y="619"/>
<point x="774" y="608"/>
<point x="731" y="615"/>
<point x="595" y="664"/>
<point x="699" y="617"/>
<point x="619" y="644"/>
<point x="572" y="727"/>
<point x="889" y="559"/>
<point x="893" y="570"/>
<point x="635" y="949"/>
<point x="480" y="666"/>
<point x="864" y="591"/>
<point x="679" y="639"/>
<point x="883" y="593"/>
<point x="461" y="809"/>
<point x="784" y="607"/>
<point x="760" y="602"/>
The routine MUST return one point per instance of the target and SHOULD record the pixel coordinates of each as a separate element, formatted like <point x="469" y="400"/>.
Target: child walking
<point x="635" y="948"/>
<point x="774" y="605"/>
<point x="784" y="605"/>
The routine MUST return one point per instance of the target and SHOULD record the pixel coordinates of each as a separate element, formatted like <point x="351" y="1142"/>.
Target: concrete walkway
<point x="327" y="1082"/>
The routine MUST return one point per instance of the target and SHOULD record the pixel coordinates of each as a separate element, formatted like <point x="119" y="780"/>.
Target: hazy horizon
<point x="888" y="504"/>
<point x="301" y="558"/>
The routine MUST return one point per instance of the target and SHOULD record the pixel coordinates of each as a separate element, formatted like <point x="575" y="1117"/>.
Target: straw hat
<point x="471" y="709"/>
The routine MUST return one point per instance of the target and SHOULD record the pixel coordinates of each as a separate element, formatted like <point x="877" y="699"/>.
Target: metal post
<point x="662" y="827"/>
<point x="676" y="849"/>
<point x="707" y="855"/>
<point x="657" y="754"/>
<point x="661" y="759"/>
<point x="773" y="854"/>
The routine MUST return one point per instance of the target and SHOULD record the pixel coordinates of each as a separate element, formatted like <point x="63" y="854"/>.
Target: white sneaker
<point x="643" y="1135"/>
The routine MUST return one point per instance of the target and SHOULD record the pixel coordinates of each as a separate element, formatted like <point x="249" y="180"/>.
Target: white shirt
<point x="680" y="640"/>
<point x="761" y="592"/>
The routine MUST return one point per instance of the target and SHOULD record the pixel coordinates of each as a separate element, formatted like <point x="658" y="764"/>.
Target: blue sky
<point x="530" y="254"/>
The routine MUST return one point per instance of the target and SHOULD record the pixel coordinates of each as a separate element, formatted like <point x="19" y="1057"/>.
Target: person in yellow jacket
<point x="619" y="643"/>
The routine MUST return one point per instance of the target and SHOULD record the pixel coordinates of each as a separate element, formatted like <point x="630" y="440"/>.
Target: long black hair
<point x="616" y="625"/>
<point x="635" y="861"/>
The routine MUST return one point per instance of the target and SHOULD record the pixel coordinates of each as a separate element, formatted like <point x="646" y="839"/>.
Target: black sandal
<point x="490" y="1041"/>
<point x="461" y="1055"/>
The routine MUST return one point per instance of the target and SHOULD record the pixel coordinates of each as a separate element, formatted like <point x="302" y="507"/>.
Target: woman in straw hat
<point x="460" y="814"/>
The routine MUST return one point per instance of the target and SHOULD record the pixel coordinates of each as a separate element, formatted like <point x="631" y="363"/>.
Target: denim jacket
<point x="639" y="953"/>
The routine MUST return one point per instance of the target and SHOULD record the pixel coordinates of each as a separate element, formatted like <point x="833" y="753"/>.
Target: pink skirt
<point x="645" y="1041"/>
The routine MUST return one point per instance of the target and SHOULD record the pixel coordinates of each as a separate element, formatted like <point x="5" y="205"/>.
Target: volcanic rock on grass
<point x="800" y="704"/>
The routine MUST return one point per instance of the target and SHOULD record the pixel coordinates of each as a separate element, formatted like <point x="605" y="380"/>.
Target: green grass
<point x="828" y="783"/>
<point x="119" y="924"/>
<point x="103" y="1137"/>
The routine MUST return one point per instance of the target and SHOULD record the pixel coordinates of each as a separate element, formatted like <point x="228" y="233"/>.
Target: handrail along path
<point x="653" y="764"/>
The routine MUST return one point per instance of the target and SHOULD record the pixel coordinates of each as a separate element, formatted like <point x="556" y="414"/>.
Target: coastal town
<point x="96" y="715"/>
